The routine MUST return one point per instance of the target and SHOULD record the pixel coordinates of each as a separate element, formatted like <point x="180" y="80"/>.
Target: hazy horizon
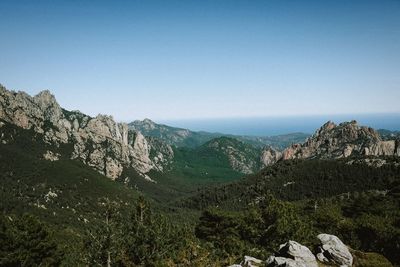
<point x="170" y="60"/>
<point x="268" y="126"/>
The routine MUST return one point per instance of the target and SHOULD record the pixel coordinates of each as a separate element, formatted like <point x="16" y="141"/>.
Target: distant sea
<point x="267" y="126"/>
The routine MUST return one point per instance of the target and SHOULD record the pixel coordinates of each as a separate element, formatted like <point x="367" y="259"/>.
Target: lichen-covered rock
<point x="333" y="250"/>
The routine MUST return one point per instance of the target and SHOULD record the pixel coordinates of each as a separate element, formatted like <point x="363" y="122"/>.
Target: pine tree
<point x="102" y="240"/>
<point x="25" y="241"/>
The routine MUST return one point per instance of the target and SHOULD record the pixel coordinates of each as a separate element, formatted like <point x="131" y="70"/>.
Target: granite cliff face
<point x="333" y="141"/>
<point x="270" y="155"/>
<point x="100" y="142"/>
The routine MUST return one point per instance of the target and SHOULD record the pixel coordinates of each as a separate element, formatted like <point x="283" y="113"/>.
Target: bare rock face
<point x="270" y="155"/>
<point x="141" y="154"/>
<point x="28" y="112"/>
<point x="301" y="254"/>
<point x="333" y="141"/>
<point x="104" y="127"/>
<point x="332" y="250"/>
<point x="48" y="105"/>
<point x="100" y="142"/>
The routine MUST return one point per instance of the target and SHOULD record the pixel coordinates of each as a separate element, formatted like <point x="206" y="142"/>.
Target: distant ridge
<point x="172" y="135"/>
<point x="181" y="137"/>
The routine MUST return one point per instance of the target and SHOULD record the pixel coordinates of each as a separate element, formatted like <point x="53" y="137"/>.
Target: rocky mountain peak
<point x="45" y="96"/>
<point x="148" y="121"/>
<point x="143" y="126"/>
<point x="329" y="125"/>
<point x="333" y="141"/>
<point x="49" y="105"/>
<point x="105" y="126"/>
<point x="346" y="131"/>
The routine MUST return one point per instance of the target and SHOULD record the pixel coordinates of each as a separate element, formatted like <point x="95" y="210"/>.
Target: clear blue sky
<point x="205" y="59"/>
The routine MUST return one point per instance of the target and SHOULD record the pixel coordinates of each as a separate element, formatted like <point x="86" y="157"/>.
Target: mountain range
<point x="62" y="166"/>
<point x="145" y="147"/>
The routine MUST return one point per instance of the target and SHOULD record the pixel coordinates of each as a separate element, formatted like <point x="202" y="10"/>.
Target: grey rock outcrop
<point x="332" y="250"/>
<point x="270" y="155"/>
<point x="333" y="141"/>
<point x="298" y="252"/>
<point x="293" y="254"/>
<point x="100" y="142"/>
